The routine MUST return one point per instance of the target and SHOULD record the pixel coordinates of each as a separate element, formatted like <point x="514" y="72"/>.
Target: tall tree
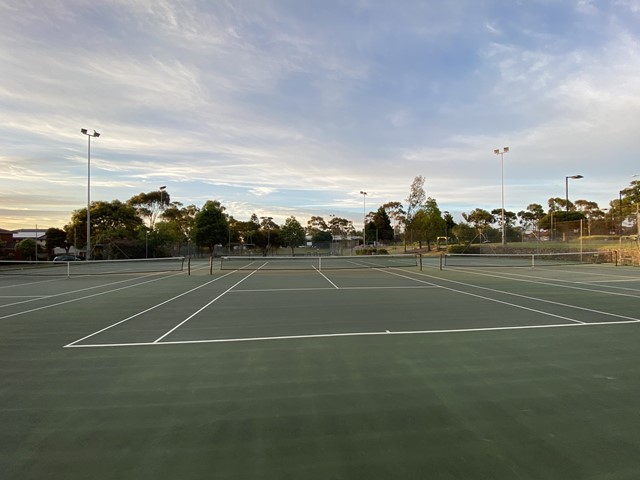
<point x="110" y="221"/>
<point x="211" y="227"/>
<point x="396" y="213"/>
<point x="292" y="234"/>
<point x="416" y="197"/>
<point x="56" y="237"/>
<point x="316" y="224"/>
<point x="379" y="226"/>
<point x="178" y="222"/>
<point x="427" y="223"/>
<point x="150" y="205"/>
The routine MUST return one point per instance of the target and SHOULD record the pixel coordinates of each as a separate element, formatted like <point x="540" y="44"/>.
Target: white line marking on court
<point x="326" y="278"/>
<point x="24" y="296"/>
<point x="204" y="307"/>
<point x="406" y="287"/>
<point x="147" y="310"/>
<point x="352" y="334"/>
<point x="75" y="291"/>
<point x="495" y="299"/>
<point x="542" y="300"/>
<point x="26" y="283"/>
<point x="82" y="298"/>
<point x="528" y="279"/>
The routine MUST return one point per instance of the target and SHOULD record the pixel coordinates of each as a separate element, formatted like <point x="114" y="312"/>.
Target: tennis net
<point x="302" y="262"/>
<point x="525" y="259"/>
<point x="92" y="267"/>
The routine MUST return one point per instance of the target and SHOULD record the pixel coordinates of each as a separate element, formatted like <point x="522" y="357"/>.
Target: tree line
<point x="152" y="225"/>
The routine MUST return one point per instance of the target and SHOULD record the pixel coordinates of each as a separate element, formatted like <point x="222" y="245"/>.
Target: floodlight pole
<point x="621" y="215"/>
<point x="501" y="153"/>
<point x="566" y="188"/>
<point x="364" y="217"/>
<point x="89" y="135"/>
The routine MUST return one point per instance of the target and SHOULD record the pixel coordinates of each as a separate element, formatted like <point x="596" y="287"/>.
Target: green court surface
<point x="460" y="373"/>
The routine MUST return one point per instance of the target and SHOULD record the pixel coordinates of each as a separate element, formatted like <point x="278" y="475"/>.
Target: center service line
<point x="201" y="309"/>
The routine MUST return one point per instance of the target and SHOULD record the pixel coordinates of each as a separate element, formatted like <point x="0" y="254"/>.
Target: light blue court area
<point x="377" y="372"/>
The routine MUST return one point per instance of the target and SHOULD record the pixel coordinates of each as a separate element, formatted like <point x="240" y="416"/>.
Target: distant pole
<point x="501" y="153"/>
<point x="364" y="217"/>
<point x="89" y="135"/>
<point x="566" y="188"/>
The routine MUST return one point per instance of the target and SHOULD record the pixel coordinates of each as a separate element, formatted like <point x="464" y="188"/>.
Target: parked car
<point x="66" y="258"/>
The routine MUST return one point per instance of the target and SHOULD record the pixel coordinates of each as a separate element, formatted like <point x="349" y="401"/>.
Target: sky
<point x="294" y="107"/>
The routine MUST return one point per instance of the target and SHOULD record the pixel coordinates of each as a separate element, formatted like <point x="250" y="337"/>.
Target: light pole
<point x="446" y="228"/>
<point x="621" y="216"/>
<point x="364" y="217"/>
<point x="501" y="153"/>
<point x="89" y="135"/>
<point x="566" y="187"/>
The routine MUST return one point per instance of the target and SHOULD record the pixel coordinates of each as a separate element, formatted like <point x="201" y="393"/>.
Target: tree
<point x="316" y="224"/>
<point x="292" y="234"/>
<point x="396" y="213"/>
<point x="177" y="224"/>
<point x="111" y="222"/>
<point x="149" y="205"/>
<point x="267" y="236"/>
<point x="427" y="223"/>
<point x="341" y="226"/>
<point x="26" y="248"/>
<point x="210" y="226"/>
<point x="480" y="219"/>
<point x="56" y="237"/>
<point x="379" y="225"/>
<point x="416" y="197"/>
<point x="530" y="218"/>
<point x="464" y="233"/>
<point x="591" y="211"/>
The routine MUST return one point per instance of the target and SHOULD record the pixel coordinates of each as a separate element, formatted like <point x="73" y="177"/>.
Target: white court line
<point x="207" y="305"/>
<point x="528" y="279"/>
<point x="351" y="334"/>
<point x="147" y="310"/>
<point x="28" y="284"/>
<point x="542" y="299"/>
<point x="76" y="291"/>
<point x="522" y="307"/>
<point x="326" y="278"/>
<point x="623" y="280"/>
<point x="85" y="297"/>
<point x="311" y="289"/>
<point x="23" y="296"/>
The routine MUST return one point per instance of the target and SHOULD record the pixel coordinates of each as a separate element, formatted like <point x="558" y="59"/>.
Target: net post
<point x="189" y="266"/>
<point x="68" y="269"/>
<point x="319" y="264"/>
<point x="210" y="264"/>
<point x="441" y="260"/>
<point x="533" y="261"/>
<point x="420" y="261"/>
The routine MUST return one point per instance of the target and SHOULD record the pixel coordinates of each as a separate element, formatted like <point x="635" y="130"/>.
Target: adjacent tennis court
<point x="396" y="370"/>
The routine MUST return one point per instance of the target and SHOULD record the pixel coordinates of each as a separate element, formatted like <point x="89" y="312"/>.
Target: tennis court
<point x="262" y="372"/>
